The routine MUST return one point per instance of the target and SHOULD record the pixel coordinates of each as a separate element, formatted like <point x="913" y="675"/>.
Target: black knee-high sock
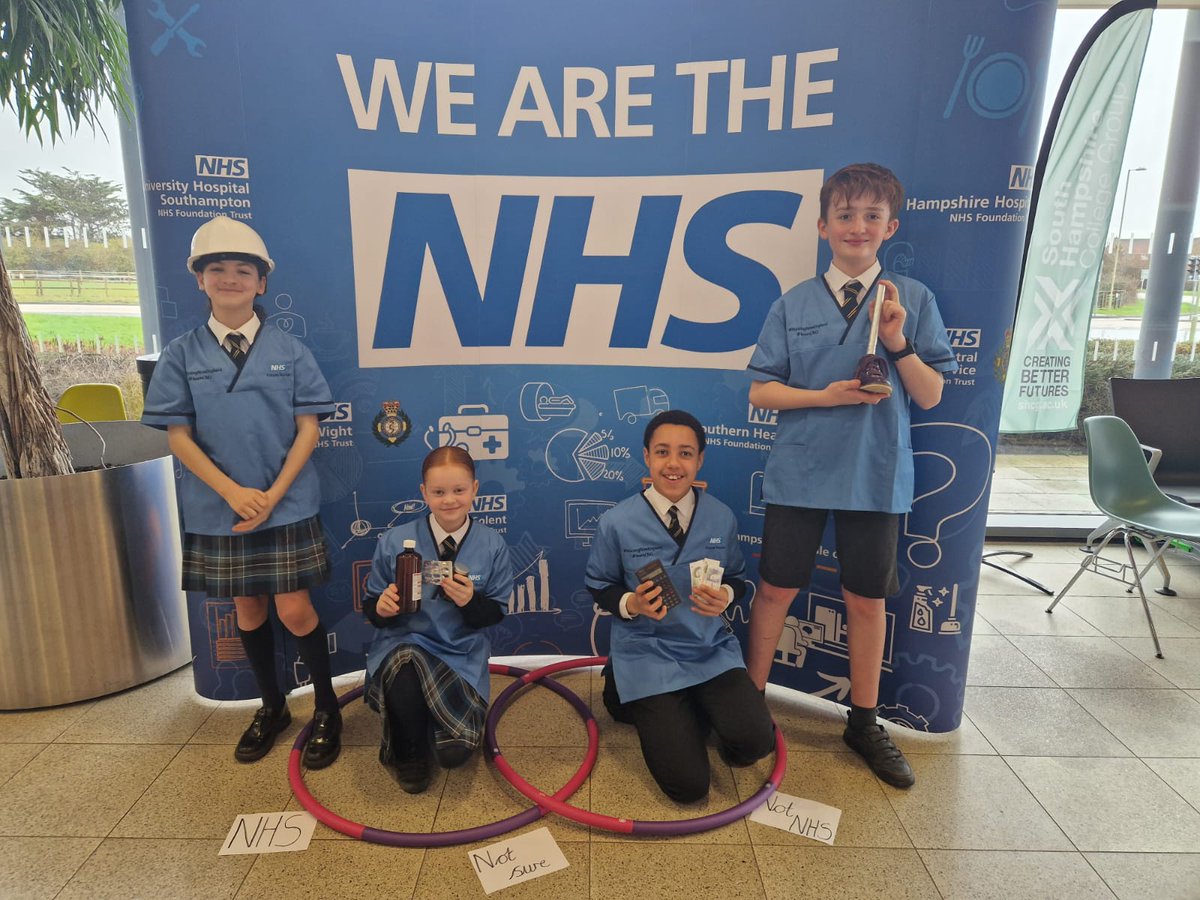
<point x="314" y="650"/>
<point x="260" y="650"/>
<point x="408" y="713"/>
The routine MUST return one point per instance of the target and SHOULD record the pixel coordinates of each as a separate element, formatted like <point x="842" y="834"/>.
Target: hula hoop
<point x="612" y="823"/>
<point x="443" y="838"/>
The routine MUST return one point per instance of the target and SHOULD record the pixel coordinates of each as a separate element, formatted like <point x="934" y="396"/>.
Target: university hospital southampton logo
<point x="677" y="271"/>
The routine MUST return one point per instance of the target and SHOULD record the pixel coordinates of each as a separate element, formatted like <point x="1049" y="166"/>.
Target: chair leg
<point x="1145" y="603"/>
<point x="1082" y="567"/>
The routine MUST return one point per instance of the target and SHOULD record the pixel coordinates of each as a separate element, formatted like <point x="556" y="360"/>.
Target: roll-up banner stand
<point x="527" y="227"/>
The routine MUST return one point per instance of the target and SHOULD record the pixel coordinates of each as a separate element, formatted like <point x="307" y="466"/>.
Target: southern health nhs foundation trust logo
<point x="672" y="271"/>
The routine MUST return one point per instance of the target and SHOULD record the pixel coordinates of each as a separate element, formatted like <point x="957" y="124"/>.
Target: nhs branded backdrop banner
<point x="527" y="227"/>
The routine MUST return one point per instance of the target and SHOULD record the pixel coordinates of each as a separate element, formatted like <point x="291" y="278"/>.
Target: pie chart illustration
<point x="575" y="455"/>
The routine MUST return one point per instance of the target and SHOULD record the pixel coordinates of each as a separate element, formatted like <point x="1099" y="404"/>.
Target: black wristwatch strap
<point x="908" y="350"/>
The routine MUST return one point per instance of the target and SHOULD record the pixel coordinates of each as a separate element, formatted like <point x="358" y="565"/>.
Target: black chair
<point x="1165" y="416"/>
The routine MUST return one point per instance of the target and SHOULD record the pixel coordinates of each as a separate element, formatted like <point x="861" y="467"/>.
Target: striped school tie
<point x="448" y="548"/>
<point x="236" y="345"/>
<point x="850" y="293"/>
<point x="673" y="527"/>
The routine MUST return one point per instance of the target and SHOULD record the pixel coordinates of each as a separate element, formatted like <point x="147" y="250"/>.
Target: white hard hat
<point x="221" y="235"/>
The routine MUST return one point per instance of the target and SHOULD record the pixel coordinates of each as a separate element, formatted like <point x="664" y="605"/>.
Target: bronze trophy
<point x="872" y="369"/>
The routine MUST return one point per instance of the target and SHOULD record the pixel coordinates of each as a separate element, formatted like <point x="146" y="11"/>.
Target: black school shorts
<point x="866" y="548"/>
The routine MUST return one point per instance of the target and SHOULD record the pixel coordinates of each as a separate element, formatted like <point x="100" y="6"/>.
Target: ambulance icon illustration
<point x="482" y="434"/>
<point x="640" y="402"/>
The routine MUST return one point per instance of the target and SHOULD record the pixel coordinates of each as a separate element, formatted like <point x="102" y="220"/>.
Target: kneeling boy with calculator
<point x="676" y="670"/>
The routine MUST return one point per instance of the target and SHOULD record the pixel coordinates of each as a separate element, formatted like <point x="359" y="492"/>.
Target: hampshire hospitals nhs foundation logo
<point x="675" y="271"/>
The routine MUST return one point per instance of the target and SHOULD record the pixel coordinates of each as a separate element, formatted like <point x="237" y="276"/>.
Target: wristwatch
<point x="908" y="350"/>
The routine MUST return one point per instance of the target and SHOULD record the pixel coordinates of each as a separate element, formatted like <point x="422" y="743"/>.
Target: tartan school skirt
<point x="277" y="560"/>
<point x="456" y="711"/>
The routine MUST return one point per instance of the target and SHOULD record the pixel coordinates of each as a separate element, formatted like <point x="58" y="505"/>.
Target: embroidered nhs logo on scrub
<point x="672" y="271"/>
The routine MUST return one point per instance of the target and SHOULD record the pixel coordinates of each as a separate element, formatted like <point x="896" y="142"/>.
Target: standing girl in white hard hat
<point x="240" y="401"/>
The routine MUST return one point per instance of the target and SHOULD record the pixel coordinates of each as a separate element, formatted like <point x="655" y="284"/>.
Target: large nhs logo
<point x="674" y="271"/>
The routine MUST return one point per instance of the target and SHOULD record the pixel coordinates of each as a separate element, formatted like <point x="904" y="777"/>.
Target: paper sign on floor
<point x="807" y="818"/>
<point x="285" y="832"/>
<point x="517" y="859"/>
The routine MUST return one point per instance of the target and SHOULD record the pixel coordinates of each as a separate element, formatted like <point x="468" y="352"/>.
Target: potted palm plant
<point x="90" y="598"/>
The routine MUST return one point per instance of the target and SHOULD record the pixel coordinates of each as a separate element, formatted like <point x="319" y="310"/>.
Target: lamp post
<point x="1112" y="284"/>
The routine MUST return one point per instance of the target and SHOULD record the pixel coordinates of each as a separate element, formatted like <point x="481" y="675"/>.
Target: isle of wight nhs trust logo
<point x="673" y="271"/>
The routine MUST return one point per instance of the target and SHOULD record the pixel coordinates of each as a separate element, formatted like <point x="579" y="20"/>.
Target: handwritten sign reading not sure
<point x="807" y="818"/>
<point x="517" y="859"/>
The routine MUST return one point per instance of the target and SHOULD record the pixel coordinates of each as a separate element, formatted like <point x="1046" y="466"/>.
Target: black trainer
<point x="259" y="738"/>
<point x="325" y="740"/>
<point x="882" y="756"/>
<point x="409" y="766"/>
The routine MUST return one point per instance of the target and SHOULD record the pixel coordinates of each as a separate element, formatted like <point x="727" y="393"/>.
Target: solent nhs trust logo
<point x="674" y="271"/>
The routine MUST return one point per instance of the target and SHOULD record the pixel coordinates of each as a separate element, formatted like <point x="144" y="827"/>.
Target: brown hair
<point x="448" y="456"/>
<point x="863" y="180"/>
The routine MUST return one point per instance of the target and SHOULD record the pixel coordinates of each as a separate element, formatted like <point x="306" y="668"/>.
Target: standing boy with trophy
<point x="843" y="443"/>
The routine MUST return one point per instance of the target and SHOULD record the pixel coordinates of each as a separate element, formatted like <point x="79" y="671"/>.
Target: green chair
<point x="1123" y="489"/>
<point x="91" y="403"/>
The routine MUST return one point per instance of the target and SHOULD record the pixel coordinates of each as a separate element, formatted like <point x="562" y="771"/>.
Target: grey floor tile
<point x="622" y="787"/>
<point x="1148" y="722"/>
<point x="1110" y="804"/>
<point x="1088" y="662"/>
<point x="972" y="803"/>
<point x="39" y="726"/>
<point x="79" y="790"/>
<point x="166" y="711"/>
<point x="807" y="722"/>
<point x="966" y="738"/>
<point x="448" y="874"/>
<point x="13" y="758"/>
<point x="1027" y="615"/>
<point x="835" y="779"/>
<point x="996" y="662"/>
<point x="334" y="870"/>
<point x="358" y="788"/>
<point x="476" y="793"/>
<point x="540" y="718"/>
<point x="819" y="873"/>
<point x="674" y="871"/>
<point x="1180" y="664"/>
<point x="1149" y="876"/>
<point x="1013" y="875"/>
<point x="982" y="625"/>
<point x="1181" y="774"/>
<point x="201" y="792"/>
<point x="1039" y="722"/>
<point x="1121" y="615"/>
<point x="124" y="869"/>
<point x="38" y="867"/>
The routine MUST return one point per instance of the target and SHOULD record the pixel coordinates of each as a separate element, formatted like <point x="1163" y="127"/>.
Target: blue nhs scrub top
<point x="244" y="420"/>
<point x="684" y="648"/>
<point x="844" y="457"/>
<point x="438" y="627"/>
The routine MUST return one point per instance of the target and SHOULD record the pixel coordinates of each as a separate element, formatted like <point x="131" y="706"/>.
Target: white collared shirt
<point x="440" y="534"/>
<point x="685" y="507"/>
<point x="837" y="279"/>
<point x="248" y="329"/>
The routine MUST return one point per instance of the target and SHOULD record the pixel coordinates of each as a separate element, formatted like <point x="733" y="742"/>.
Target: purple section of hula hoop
<point x="671" y="828"/>
<point x="466" y="835"/>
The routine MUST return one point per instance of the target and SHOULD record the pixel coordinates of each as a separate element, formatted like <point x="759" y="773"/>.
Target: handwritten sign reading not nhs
<point x="517" y="859"/>
<point x="807" y="818"/>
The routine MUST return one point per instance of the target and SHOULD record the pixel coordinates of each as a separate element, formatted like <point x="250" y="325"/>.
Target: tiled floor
<point x="1075" y="774"/>
<point x="1041" y="483"/>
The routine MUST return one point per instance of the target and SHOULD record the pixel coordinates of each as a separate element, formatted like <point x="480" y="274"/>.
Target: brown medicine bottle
<point x="408" y="578"/>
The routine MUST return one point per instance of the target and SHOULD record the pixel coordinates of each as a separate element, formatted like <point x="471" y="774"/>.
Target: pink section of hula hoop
<point x="611" y="823"/>
<point x="447" y="838"/>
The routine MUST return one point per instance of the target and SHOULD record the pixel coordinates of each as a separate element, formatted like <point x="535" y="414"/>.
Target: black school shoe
<point x="882" y="756"/>
<point x="325" y="741"/>
<point x="259" y="738"/>
<point x="410" y="768"/>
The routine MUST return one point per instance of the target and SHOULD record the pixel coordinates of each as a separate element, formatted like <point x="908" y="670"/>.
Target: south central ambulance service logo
<point x="392" y="425"/>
